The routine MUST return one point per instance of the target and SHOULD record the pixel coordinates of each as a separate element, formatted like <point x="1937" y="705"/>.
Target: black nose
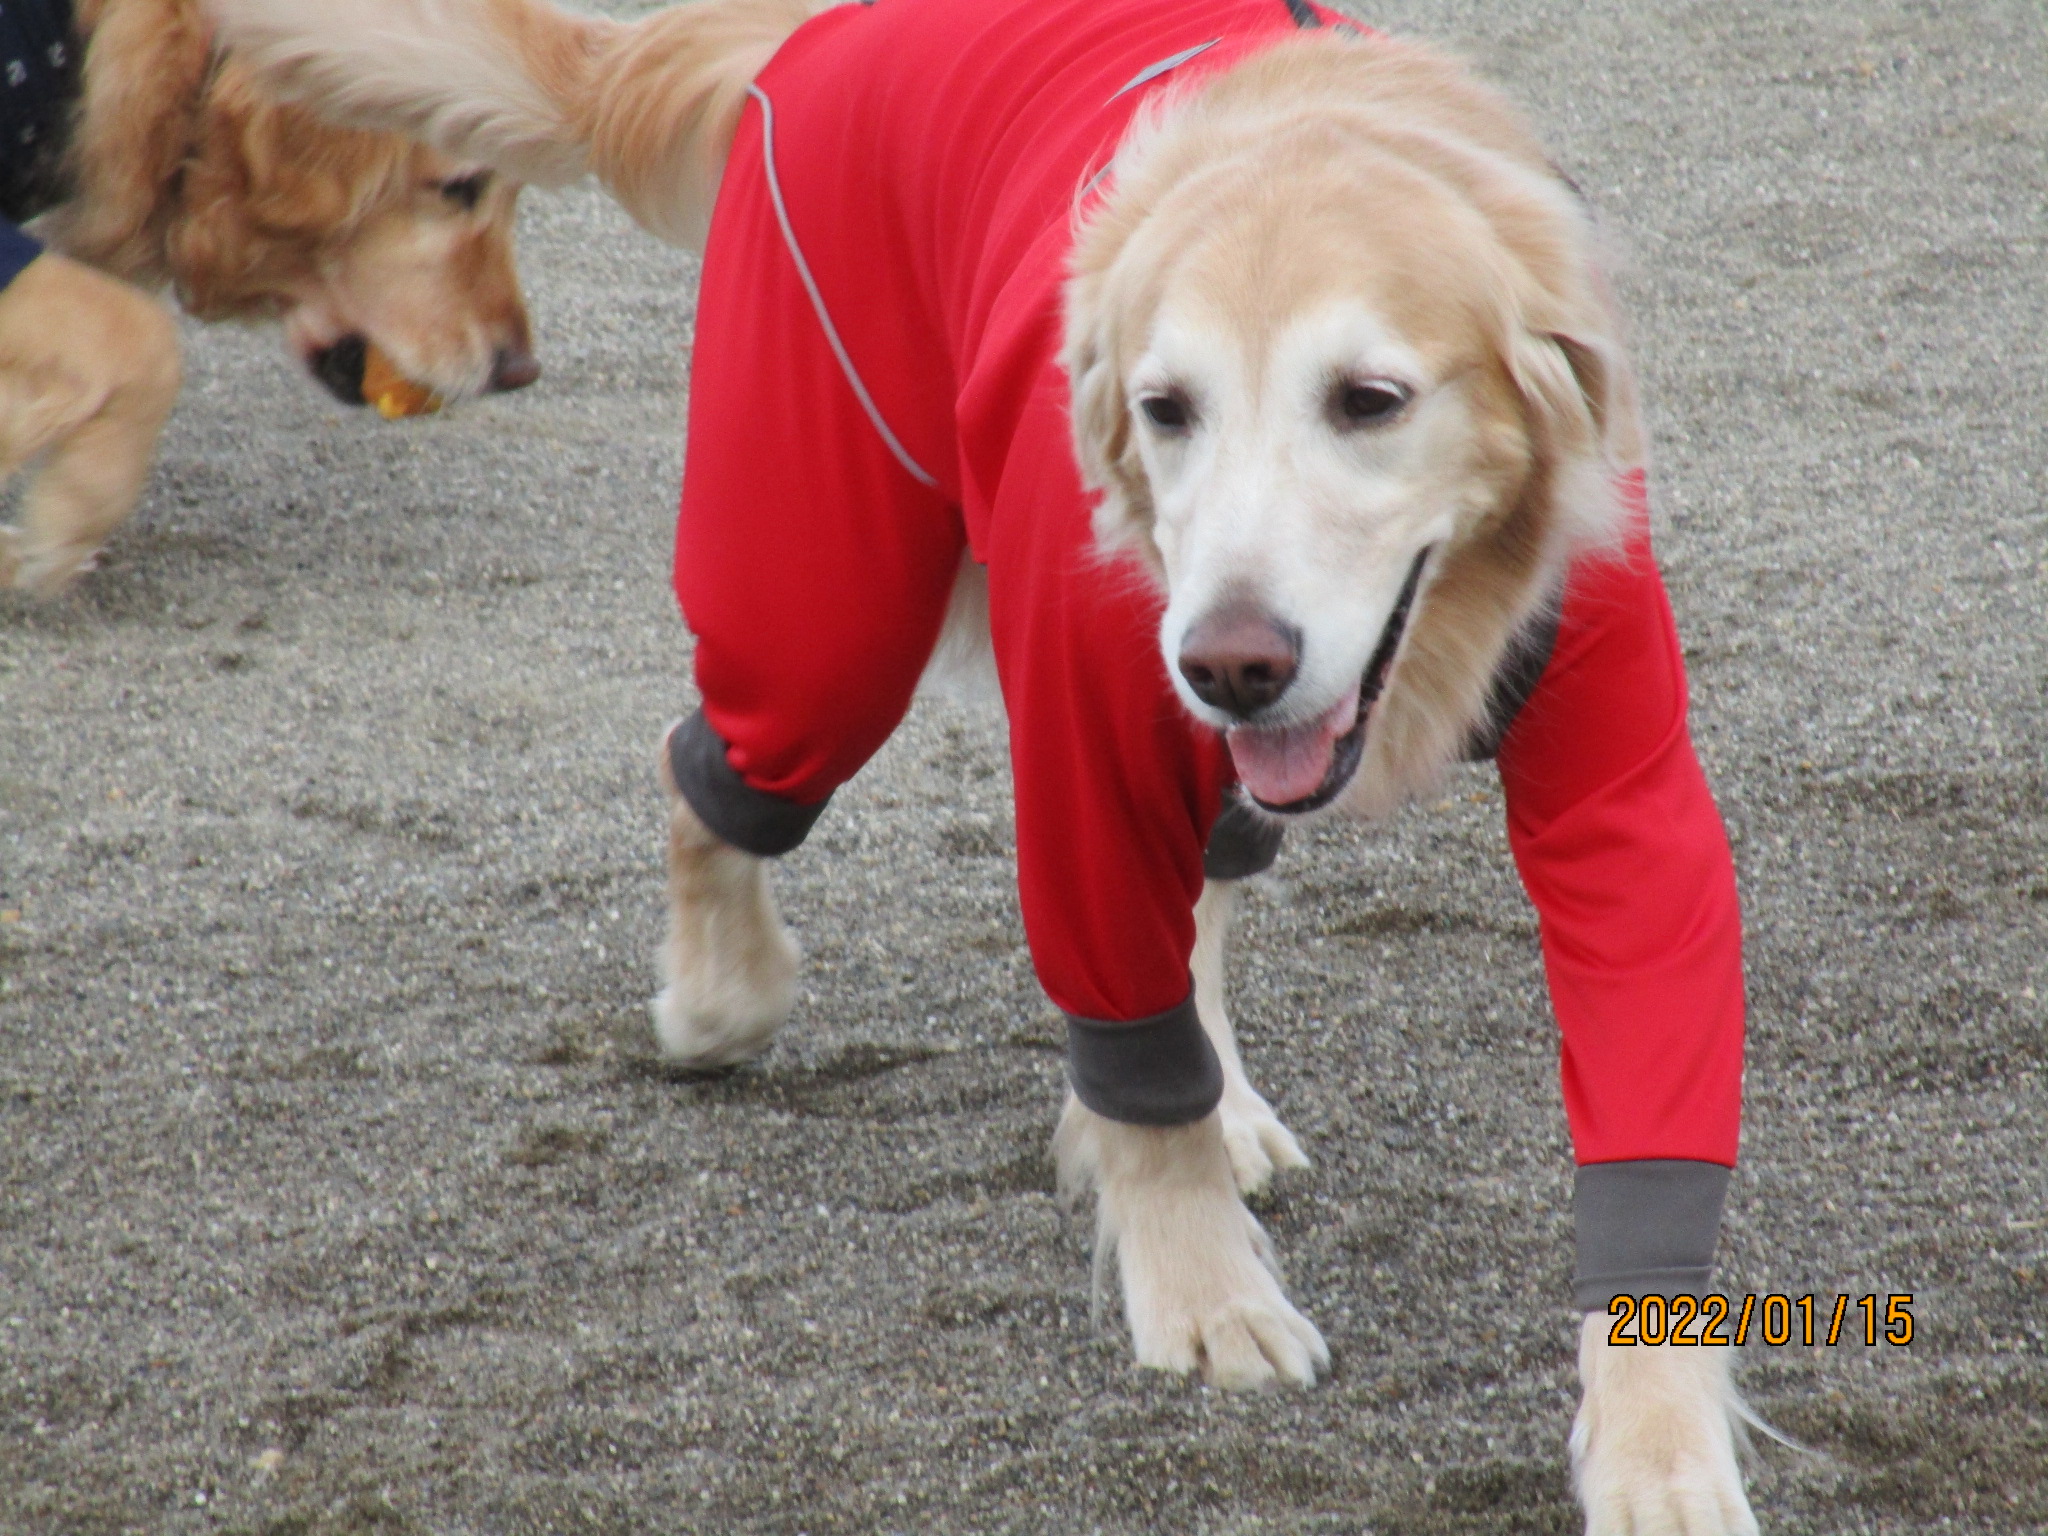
<point x="513" y="368"/>
<point x="1240" y="659"/>
<point x="340" y="367"/>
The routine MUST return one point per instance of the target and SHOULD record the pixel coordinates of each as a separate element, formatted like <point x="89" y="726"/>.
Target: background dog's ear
<point x="137" y="111"/>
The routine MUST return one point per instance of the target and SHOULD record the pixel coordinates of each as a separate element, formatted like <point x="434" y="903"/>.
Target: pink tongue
<point x="1285" y="764"/>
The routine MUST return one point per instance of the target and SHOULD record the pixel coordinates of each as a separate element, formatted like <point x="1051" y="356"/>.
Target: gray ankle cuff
<point x="749" y="819"/>
<point x="1646" y="1227"/>
<point x="1242" y="843"/>
<point x="1156" y="1071"/>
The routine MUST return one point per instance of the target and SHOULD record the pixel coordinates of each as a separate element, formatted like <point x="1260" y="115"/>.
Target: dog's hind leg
<point x="1654" y="1447"/>
<point x="728" y="963"/>
<point x="1257" y="1142"/>
<point x="1200" y="1286"/>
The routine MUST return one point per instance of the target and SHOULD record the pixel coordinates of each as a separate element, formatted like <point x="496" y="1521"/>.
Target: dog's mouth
<point x="357" y="373"/>
<point x="1294" y="769"/>
<point x="340" y="367"/>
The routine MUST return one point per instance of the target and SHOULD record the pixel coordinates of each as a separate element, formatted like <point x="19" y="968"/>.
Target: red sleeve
<point x="1623" y="852"/>
<point x="1116" y="784"/>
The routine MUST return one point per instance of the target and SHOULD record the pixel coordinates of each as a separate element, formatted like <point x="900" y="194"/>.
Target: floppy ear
<point x="1593" y="370"/>
<point x="268" y="191"/>
<point x="144" y="65"/>
<point x="1101" y="421"/>
<point x="1567" y="381"/>
<point x="1578" y="400"/>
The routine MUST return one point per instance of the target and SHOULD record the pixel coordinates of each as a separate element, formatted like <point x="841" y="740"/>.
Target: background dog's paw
<point x="1654" y="1445"/>
<point x="1258" y="1144"/>
<point x="26" y="566"/>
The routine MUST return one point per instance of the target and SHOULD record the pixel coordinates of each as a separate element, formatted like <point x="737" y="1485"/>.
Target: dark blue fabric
<point x="17" y="250"/>
<point x="39" y="82"/>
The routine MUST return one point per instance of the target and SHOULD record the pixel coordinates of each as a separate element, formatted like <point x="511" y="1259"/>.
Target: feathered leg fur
<point x="728" y="963"/>
<point x="1655" y="1445"/>
<point x="1259" y="1145"/>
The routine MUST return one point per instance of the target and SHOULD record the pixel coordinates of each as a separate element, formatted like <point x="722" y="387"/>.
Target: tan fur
<point x="1657" y="1439"/>
<point x="547" y="94"/>
<point x="188" y="174"/>
<point x="665" y="100"/>
<point x="1201" y="1288"/>
<point x="88" y="371"/>
<point x="728" y="963"/>
<point x="1258" y="1144"/>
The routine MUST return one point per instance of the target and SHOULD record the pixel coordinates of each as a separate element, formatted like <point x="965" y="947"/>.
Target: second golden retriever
<point x="182" y="171"/>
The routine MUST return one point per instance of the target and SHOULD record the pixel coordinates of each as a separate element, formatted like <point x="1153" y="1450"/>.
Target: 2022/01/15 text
<point x="1777" y="1318"/>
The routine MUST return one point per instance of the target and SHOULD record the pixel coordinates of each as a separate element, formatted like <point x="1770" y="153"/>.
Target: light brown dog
<point x="1357" y="211"/>
<point x="185" y="173"/>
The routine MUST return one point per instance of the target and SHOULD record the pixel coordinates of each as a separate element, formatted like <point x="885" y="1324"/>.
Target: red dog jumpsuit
<point x="876" y="390"/>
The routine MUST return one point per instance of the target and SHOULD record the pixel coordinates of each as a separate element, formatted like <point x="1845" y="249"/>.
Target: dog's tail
<point x="541" y="93"/>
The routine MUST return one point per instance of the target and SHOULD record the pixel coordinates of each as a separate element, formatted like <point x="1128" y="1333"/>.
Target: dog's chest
<point x="39" y="86"/>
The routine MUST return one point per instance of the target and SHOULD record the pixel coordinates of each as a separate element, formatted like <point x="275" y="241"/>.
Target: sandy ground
<point x="339" y="1193"/>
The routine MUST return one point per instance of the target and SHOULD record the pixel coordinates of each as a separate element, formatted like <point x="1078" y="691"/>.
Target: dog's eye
<point x="1169" y="412"/>
<point x="1367" y="402"/>
<point x="466" y="192"/>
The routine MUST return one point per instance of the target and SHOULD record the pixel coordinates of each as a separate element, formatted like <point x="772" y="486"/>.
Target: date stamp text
<point x="1776" y="1319"/>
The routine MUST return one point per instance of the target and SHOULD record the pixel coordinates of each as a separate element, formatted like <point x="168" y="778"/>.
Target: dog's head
<point x="187" y="172"/>
<point x="349" y="238"/>
<point x="1344" y="379"/>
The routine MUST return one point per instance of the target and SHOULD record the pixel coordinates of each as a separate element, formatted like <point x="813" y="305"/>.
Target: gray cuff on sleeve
<point x="1645" y="1227"/>
<point x="1156" y="1071"/>
<point x="1242" y="843"/>
<point x="749" y="819"/>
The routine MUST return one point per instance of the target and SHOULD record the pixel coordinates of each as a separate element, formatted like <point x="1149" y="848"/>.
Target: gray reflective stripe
<point x="1152" y="72"/>
<point x="1645" y="1227"/>
<point x="1146" y="76"/>
<point x="1156" y="1071"/>
<point x="916" y="471"/>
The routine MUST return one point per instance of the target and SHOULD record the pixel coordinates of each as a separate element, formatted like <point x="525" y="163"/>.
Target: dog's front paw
<point x="1258" y="1144"/>
<point x="1655" y="1443"/>
<point x="1200" y="1294"/>
<point x="1199" y="1283"/>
